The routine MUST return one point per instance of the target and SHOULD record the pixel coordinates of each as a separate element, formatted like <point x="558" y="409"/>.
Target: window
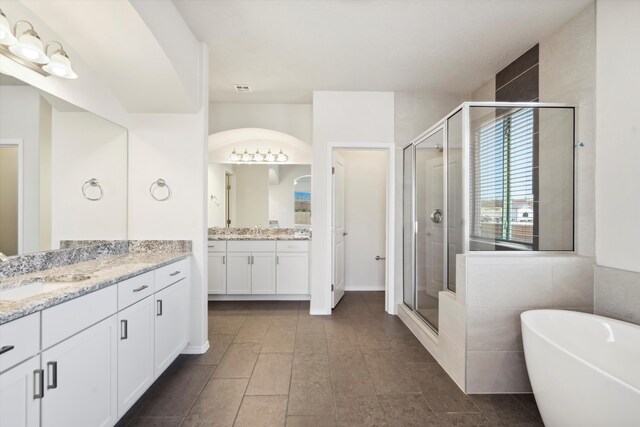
<point x="503" y="182"/>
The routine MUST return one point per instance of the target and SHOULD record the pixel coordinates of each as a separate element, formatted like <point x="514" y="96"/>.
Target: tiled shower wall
<point x="617" y="294"/>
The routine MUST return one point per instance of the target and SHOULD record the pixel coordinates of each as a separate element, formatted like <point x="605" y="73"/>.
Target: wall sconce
<point x="258" y="157"/>
<point x="26" y="49"/>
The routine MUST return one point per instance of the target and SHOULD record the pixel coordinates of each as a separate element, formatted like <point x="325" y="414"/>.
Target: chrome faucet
<point x="3" y="257"/>
<point x="258" y="230"/>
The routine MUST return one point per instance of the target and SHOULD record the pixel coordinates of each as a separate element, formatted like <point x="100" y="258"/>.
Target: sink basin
<point x="32" y="289"/>
<point x="39" y="286"/>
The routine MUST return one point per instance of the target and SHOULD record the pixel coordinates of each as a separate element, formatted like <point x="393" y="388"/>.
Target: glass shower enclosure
<point x="487" y="177"/>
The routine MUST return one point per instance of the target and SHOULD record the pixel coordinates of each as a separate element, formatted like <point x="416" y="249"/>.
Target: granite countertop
<point x="105" y="271"/>
<point x="217" y="237"/>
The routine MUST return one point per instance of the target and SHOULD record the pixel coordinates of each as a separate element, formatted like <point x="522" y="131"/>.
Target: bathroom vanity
<point x="249" y="266"/>
<point x="82" y="353"/>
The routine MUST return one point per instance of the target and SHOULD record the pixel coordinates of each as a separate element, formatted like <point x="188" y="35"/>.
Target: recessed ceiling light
<point x="242" y="88"/>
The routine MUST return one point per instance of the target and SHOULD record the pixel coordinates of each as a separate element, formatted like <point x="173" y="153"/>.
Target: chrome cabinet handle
<point x="436" y="216"/>
<point x="249" y="260"/>
<point x="53" y="375"/>
<point x="159" y="308"/>
<point x="124" y="329"/>
<point x="224" y="259"/>
<point x="277" y="260"/>
<point x="175" y="273"/>
<point x="38" y="383"/>
<point x="6" y="348"/>
<point x="141" y="288"/>
<point x="345" y="233"/>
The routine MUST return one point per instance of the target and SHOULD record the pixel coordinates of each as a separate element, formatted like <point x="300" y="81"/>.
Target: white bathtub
<point x="584" y="369"/>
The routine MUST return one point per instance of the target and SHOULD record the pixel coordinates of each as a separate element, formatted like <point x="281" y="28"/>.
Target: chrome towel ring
<point x="160" y="183"/>
<point x="93" y="182"/>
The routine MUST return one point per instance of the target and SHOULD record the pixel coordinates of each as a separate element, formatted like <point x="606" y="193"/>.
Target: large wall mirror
<point x="268" y="185"/>
<point x="63" y="172"/>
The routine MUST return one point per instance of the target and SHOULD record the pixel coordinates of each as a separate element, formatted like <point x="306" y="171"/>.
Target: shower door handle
<point x="436" y="216"/>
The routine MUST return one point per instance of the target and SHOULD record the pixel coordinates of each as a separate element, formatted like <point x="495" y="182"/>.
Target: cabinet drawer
<point x="217" y="245"/>
<point x="293" y="246"/>
<point x="19" y="340"/>
<point x="64" y="320"/>
<point x="135" y="289"/>
<point x="170" y="274"/>
<point x="251" y="246"/>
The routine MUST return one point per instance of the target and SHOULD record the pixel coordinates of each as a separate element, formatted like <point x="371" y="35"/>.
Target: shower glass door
<point x="407" y="227"/>
<point x="430" y="236"/>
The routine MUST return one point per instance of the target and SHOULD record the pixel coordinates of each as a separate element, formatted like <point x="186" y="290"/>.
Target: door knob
<point x="345" y="233"/>
<point x="436" y="216"/>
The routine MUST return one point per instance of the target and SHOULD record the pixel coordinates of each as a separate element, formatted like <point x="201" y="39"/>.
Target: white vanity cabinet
<point x="86" y="361"/>
<point x="20" y="391"/>
<point x="81" y="378"/>
<point x="259" y="267"/>
<point x="217" y="264"/>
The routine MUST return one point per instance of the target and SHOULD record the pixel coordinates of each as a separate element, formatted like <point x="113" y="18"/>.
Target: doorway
<point x="10" y="197"/>
<point x="360" y="200"/>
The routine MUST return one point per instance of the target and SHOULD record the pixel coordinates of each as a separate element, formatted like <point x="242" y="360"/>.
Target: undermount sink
<point x="39" y="286"/>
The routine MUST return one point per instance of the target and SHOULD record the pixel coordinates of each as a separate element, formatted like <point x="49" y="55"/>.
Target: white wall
<point x="85" y="146"/>
<point x="20" y="119"/>
<point x="9" y="199"/>
<point x="292" y="119"/>
<point x="339" y="117"/>
<point x="46" y="128"/>
<point x="617" y="134"/>
<point x="216" y="174"/>
<point x="365" y="219"/>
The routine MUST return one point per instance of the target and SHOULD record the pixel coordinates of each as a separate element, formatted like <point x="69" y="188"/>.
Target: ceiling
<point x="287" y="49"/>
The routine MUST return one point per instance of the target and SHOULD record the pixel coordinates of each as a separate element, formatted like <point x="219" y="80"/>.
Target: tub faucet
<point x="3" y="257"/>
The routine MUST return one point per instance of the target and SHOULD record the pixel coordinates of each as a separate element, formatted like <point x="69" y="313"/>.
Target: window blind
<point x="502" y="178"/>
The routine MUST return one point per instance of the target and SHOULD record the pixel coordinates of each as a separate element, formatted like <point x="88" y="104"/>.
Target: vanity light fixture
<point x="6" y="36"/>
<point x="59" y="65"/>
<point x="24" y="46"/>
<point x="29" y="45"/>
<point x="258" y="157"/>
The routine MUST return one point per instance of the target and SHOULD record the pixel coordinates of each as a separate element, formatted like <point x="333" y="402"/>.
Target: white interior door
<point x="338" y="229"/>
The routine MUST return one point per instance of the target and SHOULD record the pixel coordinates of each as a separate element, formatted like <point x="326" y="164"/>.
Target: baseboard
<point x="196" y="349"/>
<point x="364" y="288"/>
<point x="259" y="297"/>
<point x="422" y="332"/>
<point x="320" y="313"/>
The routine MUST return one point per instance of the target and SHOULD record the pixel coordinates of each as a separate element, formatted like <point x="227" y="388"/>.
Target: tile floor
<point x="272" y="364"/>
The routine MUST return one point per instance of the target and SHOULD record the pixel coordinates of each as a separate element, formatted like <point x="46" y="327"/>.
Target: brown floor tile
<point x="364" y="411"/>
<point x="238" y="361"/>
<point x="349" y="374"/>
<point x="389" y="374"/>
<point x="310" y="421"/>
<point x="529" y="403"/>
<point x="262" y="411"/>
<point x="174" y="393"/>
<point x="311" y="343"/>
<point x="441" y="393"/>
<point x="409" y="349"/>
<point x="408" y="410"/>
<point x="456" y="419"/>
<point x="225" y="325"/>
<point x="218" y="404"/>
<point x="218" y="345"/>
<point x="155" y="422"/>
<point x="279" y="341"/>
<point x="311" y="392"/>
<point x="502" y="409"/>
<point x="252" y="330"/>
<point x="271" y="375"/>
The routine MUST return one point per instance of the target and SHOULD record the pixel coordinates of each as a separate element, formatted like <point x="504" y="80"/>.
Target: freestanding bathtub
<point x="584" y="369"/>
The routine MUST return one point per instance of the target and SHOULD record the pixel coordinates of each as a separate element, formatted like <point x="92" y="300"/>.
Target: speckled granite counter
<point x="239" y="233"/>
<point x="103" y="271"/>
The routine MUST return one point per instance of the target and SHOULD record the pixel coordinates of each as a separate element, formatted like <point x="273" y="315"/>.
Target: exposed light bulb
<point x="60" y="66"/>
<point x="246" y="157"/>
<point x="29" y="47"/>
<point x="269" y="157"/>
<point x="6" y="36"/>
<point x="234" y="157"/>
<point x="258" y="157"/>
<point x="282" y="157"/>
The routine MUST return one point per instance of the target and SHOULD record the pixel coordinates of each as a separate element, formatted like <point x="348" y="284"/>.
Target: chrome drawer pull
<point x="141" y="288"/>
<point x="159" y="308"/>
<point x="53" y="376"/>
<point x="6" y="348"/>
<point x="175" y="273"/>
<point x="124" y="329"/>
<point x="38" y="383"/>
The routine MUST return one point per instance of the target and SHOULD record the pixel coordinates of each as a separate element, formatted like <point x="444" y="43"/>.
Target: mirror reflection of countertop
<point x="253" y="233"/>
<point x="256" y="237"/>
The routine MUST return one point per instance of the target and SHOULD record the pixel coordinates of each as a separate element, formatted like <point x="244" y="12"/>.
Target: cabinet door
<point x="238" y="273"/>
<point x="81" y="378"/>
<point x="135" y="352"/>
<point x="20" y="392"/>
<point x="170" y="324"/>
<point x="217" y="273"/>
<point x="263" y="273"/>
<point x="293" y="273"/>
